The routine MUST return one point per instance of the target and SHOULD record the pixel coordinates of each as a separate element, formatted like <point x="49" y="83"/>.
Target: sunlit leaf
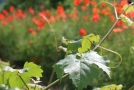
<point x="72" y="46"/>
<point x="87" y="41"/>
<point x="110" y="87"/>
<point x="33" y="69"/>
<point x="82" y="71"/>
<point x="17" y="81"/>
<point x="126" y="20"/>
<point x="128" y="9"/>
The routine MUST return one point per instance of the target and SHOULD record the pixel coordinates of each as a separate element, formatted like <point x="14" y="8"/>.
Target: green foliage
<point x="82" y="71"/>
<point x="83" y="45"/>
<point x="19" y="77"/>
<point x="128" y="8"/>
<point x="110" y="87"/>
<point x="87" y="41"/>
<point x="32" y="69"/>
<point x="126" y="20"/>
<point x="72" y="46"/>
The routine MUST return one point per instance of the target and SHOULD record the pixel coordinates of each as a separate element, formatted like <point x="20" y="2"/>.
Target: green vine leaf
<point x="126" y="20"/>
<point x="87" y="42"/>
<point x="82" y="71"/>
<point x="72" y="46"/>
<point x="110" y="87"/>
<point x="4" y="76"/>
<point x="24" y="75"/>
<point x="82" y="45"/>
<point x="15" y="80"/>
<point x="128" y="10"/>
<point x="33" y="69"/>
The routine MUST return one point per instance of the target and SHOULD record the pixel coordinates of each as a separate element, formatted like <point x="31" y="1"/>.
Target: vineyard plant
<point x="89" y="44"/>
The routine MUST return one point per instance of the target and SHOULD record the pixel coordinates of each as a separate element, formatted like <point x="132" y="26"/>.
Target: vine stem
<point x="114" y="53"/>
<point x="117" y="19"/>
<point x="55" y="39"/>
<point x="56" y="81"/>
<point x="56" y="46"/>
<point x="106" y="34"/>
<point x="23" y="81"/>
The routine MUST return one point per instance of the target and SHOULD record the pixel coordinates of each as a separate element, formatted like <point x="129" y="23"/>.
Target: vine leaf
<point x="4" y="76"/>
<point x="18" y="76"/>
<point x="110" y="87"/>
<point x="15" y="80"/>
<point x="72" y="46"/>
<point x="126" y="20"/>
<point x="33" y="69"/>
<point x="83" y="44"/>
<point x="87" y="42"/>
<point x="128" y="10"/>
<point x="82" y="71"/>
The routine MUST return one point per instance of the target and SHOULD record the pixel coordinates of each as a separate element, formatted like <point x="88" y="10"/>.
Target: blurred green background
<point x="26" y="36"/>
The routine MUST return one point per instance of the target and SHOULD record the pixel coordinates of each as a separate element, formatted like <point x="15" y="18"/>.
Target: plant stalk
<point x="23" y="81"/>
<point x="56" y="81"/>
<point x="106" y="34"/>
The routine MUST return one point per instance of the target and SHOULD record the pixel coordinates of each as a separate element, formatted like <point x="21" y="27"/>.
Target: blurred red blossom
<point x="2" y="17"/>
<point x="77" y="2"/>
<point x="84" y="8"/>
<point x="35" y="59"/>
<point x="60" y="9"/>
<point x="5" y="12"/>
<point x="96" y="17"/>
<point x="95" y="10"/>
<point x="82" y="31"/>
<point x="31" y="10"/>
<point x="11" y="8"/>
<point x="103" y="4"/>
<point x="30" y="30"/>
<point x="112" y="18"/>
<point x="4" y="23"/>
<point x="123" y="2"/>
<point x="119" y="23"/>
<point x="86" y="2"/>
<point x="131" y="14"/>
<point x="117" y="30"/>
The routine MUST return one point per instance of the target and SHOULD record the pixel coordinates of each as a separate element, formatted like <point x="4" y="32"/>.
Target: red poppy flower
<point x="123" y="2"/>
<point x="84" y="8"/>
<point x="34" y="33"/>
<point x="96" y="17"/>
<point x="82" y="31"/>
<point x="117" y="30"/>
<point x="131" y="14"/>
<point x="112" y="18"/>
<point x="95" y="10"/>
<point x="30" y="30"/>
<point x="5" y="12"/>
<point x="35" y="59"/>
<point x="86" y="2"/>
<point x="119" y="23"/>
<point x="103" y="4"/>
<point x="77" y="2"/>
<point x="60" y="9"/>
<point x="4" y="23"/>
<point x="2" y="17"/>
<point x="31" y="10"/>
<point x="11" y="8"/>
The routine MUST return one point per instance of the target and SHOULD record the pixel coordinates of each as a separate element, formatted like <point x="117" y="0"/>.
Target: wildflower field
<point x="35" y="35"/>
